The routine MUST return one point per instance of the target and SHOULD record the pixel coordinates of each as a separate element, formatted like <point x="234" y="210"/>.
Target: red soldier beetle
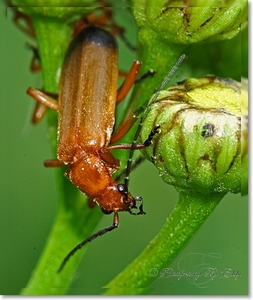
<point x="86" y="106"/>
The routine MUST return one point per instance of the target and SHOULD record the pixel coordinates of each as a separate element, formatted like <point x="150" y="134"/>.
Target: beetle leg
<point x="23" y="22"/>
<point x="52" y="163"/>
<point x="130" y="117"/>
<point x="124" y="128"/>
<point x="35" y="63"/>
<point x="42" y="98"/>
<point x="153" y="132"/>
<point x="140" y="212"/>
<point x="129" y="81"/>
<point x="124" y="147"/>
<point x="109" y="159"/>
<point x="136" y="146"/>
<point x="39" y="112"/>
<point x="149" y="73"/>
<point x="91" y="203"/>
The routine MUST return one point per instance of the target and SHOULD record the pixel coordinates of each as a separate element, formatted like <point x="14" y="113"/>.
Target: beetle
<point x="86" y="116"/>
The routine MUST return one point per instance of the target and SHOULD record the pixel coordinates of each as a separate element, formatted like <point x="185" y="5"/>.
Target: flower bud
<point x="199" y="145"/>
<point x="188" y="24"/>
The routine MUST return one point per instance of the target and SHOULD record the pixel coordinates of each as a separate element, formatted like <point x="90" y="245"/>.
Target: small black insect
<point x="208" y="130"/>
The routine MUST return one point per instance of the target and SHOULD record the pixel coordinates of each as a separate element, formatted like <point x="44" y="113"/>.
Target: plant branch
<point x="190" y="212"/>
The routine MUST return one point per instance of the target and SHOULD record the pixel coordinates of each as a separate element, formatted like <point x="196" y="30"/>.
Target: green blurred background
<point x="29" y="201"/>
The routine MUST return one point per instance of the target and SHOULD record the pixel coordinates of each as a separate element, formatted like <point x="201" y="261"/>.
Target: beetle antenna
<point x="136" y="163"/>
<point x="142" y="118"/>
<point x="89" y="239"/>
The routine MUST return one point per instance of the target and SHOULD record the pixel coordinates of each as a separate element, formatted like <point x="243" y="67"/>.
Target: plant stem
<point x="158" y="56"/>
<point x="188" y="215"/>
<point x="64" y="236"/>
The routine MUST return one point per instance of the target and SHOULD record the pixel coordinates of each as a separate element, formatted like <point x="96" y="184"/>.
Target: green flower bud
<point x="199" y="146"/>
<point x="177" y="23"/>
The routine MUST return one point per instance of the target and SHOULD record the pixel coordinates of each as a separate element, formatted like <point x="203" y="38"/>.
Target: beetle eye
<point x="121" y="188"/>
<point x="106" y="212"/>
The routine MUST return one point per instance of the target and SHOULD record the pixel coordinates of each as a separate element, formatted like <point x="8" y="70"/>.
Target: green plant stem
<point x="158" y="56"/>
<point x="188" y="215"/>
<point x="45" y="280"/>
